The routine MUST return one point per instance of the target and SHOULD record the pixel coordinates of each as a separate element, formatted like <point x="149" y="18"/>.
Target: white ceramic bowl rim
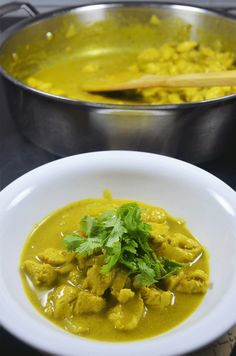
<point x="56" y="341"/>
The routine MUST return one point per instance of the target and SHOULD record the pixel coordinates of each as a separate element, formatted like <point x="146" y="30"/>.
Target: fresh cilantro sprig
<point x="123" y="237"/>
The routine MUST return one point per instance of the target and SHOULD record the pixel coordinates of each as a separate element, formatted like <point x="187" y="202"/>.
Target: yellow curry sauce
<point x="115" y="50"/>
<point x="75" y="295"/>
<point x="66" y="78"/>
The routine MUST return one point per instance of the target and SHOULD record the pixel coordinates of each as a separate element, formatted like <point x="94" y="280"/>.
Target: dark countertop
<point x="18" y="156"/>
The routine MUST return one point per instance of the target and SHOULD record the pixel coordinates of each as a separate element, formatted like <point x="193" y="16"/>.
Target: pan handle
<point x="14" y="6"/>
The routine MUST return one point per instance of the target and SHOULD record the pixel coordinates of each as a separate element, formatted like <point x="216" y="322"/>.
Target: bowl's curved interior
<point x="206" y="203"/>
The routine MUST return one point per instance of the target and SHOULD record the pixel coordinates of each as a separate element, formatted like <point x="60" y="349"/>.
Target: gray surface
<point x="17" y="156"/>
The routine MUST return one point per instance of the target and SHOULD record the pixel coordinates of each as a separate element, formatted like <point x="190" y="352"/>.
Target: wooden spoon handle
<point x="210" y="79"/>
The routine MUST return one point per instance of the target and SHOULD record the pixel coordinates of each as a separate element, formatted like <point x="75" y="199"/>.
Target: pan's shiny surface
<point x="194" y="131"/>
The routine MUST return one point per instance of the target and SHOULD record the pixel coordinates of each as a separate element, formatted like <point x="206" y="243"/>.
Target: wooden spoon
<point x="210" y="79"/>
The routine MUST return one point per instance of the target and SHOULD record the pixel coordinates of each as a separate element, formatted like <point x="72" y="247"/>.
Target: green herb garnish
<point x="123" y="237"/>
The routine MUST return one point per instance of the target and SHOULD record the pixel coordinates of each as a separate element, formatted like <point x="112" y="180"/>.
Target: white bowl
<point x="206" y="203"/>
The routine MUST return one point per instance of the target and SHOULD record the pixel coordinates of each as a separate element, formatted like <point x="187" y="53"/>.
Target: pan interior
<point x="58" y="54"/>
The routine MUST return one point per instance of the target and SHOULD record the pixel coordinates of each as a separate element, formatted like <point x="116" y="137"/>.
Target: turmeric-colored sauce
<point x="112" y="51"/>
<point x="73" y="292"/>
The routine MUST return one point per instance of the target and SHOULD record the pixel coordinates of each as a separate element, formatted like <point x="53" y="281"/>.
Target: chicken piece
<point x="180" y="248"/>
<point x="97" y="282"/>
<point x="64" y="269"/>
<point x="88" y="303"/>
<point x="127" y="316"/>
<point x="61" y="301"/>
<point x="41" y="274"/>
<point x="173" y="281"/>
<point x="75" y="277"/>
<point x="154" y="20"/>
<point x="56" y="257"/>
<point x="149" y="54"/>
<point x="192" y="282"/>
<point x="156" y="297"/>
<point x="159" y="229"/>
<point x="82" y="263"/>
<point x="159" y="232"/>
<point x="186" y="46"/>
<point x="124" y="295"/>
<point x="155" y="215"/>
<point x="86" y="262"/>
<point x="39" y="84"/>
<point x="119" y="281"/>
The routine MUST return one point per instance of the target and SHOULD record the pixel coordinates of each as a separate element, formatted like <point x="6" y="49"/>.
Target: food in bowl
<point x="65" y="74"/>
<point x="126" y="266"/>
<point x="206" y="203"/>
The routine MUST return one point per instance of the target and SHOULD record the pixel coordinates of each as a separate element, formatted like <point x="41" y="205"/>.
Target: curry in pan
<point x="120" y="49"/>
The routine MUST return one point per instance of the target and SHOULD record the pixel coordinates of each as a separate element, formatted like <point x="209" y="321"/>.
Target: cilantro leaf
<point x="123" y="237"/>
<point x="88" y="246"/>
<point x="130" y="246"/>
<point x="73" y="241"/>
<point x="171" y="267"/>
<point x="116" y="233"/>
<point x="87" y="225"/>
<point x="147" y="274"/>
<point x="113" y="258"/>
<point x="130" y="264"/>
<point x="130" y="214"/>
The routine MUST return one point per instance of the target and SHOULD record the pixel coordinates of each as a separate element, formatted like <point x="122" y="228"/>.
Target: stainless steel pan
<point x="194" y="132"/>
